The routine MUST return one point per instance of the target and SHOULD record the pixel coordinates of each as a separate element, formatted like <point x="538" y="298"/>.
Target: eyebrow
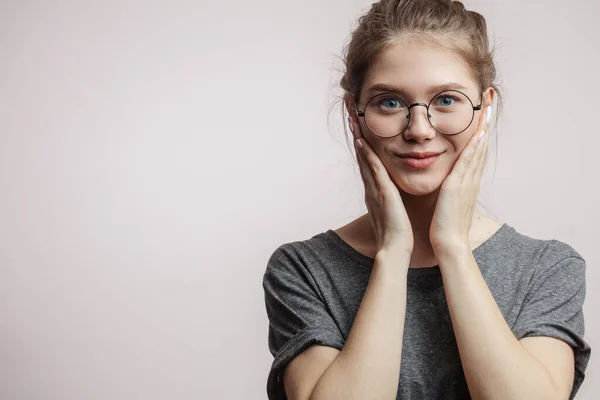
<point x="432" y="90"/>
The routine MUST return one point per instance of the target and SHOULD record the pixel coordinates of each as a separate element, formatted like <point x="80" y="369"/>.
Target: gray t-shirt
<point x="313" y="289"/>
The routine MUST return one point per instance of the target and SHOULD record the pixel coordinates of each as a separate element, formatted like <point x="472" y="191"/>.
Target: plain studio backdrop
<point x="154" y="154"/>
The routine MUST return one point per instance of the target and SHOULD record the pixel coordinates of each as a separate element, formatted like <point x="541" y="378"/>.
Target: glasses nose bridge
<point x="410" y="115"/>
<point x="422" y="130"/>
<point x="415" y="105"/>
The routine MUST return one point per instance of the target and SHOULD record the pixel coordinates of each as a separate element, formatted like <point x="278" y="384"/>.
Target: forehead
<point x="415" y="68"/>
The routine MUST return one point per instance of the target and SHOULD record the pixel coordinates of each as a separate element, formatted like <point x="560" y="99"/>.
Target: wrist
<point x="452" y="245"/>
<point x="452" y="253"/>
<point x="395" y="254"/>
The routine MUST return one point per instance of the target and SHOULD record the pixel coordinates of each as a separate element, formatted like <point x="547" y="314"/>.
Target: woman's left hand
<point x="456" y="202"/>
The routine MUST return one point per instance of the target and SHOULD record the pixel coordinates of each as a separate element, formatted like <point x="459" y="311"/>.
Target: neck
<point x="420" y="211"/>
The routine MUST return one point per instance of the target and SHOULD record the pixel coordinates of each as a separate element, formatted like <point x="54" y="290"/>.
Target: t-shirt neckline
<point x="367" y="261"/>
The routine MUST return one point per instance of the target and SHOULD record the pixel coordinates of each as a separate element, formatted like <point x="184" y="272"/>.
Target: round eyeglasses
<point x="449" y="112"/>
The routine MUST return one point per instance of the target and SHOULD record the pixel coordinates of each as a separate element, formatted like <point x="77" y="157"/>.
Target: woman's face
<point x="415" y="71"/>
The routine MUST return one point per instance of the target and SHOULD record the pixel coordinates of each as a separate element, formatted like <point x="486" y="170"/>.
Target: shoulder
<point x="544" y="257"/>
<point x="513" y="256"/>
<point x="323" y="262"/>
<point x="514" y="242"/>
<point x="297" y="256"/>
<point x="548" y="251"/>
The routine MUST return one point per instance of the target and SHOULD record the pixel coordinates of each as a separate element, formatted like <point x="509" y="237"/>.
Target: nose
<point x="418" y="128"/>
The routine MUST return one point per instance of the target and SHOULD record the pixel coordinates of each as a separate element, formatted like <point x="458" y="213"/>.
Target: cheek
<point x="458" y="144"/>
<point x="460" y="141"/>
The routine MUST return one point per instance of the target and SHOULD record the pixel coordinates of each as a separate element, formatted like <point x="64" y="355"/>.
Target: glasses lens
<point x="451" y="112"/>
<point x="386" y="115"/>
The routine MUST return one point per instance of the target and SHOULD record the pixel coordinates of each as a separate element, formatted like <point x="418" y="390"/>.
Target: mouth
<point x="419" y="160"/>
<point x="427" y="154"/>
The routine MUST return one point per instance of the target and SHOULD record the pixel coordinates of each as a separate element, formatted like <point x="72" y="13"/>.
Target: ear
<point x="488" y="97"/>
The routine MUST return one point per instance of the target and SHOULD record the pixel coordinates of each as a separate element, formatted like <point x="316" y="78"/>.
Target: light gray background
<point x="153" y="154"/>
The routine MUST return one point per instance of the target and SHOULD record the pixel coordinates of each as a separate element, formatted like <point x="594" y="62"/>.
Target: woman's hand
<point x="456" y="202"/>
<point x="388" y="216"/>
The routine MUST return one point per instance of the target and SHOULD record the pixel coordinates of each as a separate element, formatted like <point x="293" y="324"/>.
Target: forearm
<point x="495" y="363"/>
<point x="368" y="367"/>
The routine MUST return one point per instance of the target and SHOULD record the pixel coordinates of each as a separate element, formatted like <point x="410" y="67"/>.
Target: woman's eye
<point x="447" y="101"/>
<point x="390" y="103"/>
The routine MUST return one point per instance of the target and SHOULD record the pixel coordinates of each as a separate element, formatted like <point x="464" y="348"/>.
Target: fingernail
<point x="349" y="119"/>
<point x="351" y="127"/>
<point x="480" y="136"/>
<point x="488" y="117"/>
<point x="358" y="143"/>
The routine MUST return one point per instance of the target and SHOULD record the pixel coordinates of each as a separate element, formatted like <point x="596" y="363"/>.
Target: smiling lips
<point x="419" y="160"/>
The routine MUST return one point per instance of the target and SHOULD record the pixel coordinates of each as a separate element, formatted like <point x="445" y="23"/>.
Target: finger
<point x="363" y="163"/>
<point x="377" y="172"/>
<point x="354" y="128"/>
<point x="470" y="167"/>
<point x="488" y="118"/>
<point x="356" y="132"/>
<point x="485" y="119"/>
<point x="369" y="179"/>
<point x="482" y="157"/>
<point x="470" y="158"/>
<point x="479" y="164"/>
<point x="479" y="152"/>
<point x="465" y="158"/>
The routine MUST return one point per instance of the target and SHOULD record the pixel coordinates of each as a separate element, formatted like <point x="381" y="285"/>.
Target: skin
<point x="415" y="70"/>
<point x="421" y="218"/>
<point x="432" y="214"/>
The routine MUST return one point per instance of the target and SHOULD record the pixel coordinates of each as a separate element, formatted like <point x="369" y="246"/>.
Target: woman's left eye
<point x="447" y="101"/>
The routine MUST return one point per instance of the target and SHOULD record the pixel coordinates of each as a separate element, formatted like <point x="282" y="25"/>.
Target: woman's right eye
<point x="390" y="102"/>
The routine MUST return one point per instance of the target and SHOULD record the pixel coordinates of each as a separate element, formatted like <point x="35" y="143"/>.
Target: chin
<point x="420" y="186"/>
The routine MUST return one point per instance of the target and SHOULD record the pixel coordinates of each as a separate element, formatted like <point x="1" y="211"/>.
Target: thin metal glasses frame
<point x="475" y="108"/>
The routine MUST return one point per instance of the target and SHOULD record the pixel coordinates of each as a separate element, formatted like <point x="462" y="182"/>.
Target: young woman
<point x="424" y="297"/>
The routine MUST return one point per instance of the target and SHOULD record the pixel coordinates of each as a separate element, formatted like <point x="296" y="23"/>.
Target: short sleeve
<point x="298" y="316"/>
<point x="553" y="305"/>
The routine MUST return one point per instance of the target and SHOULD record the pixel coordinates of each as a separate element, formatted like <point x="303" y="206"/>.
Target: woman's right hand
<point x="388" y="216"/>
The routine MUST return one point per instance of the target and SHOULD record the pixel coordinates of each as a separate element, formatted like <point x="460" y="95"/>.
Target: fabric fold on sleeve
<point x="298" y="316"/>
<point x="554" y="305"/>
